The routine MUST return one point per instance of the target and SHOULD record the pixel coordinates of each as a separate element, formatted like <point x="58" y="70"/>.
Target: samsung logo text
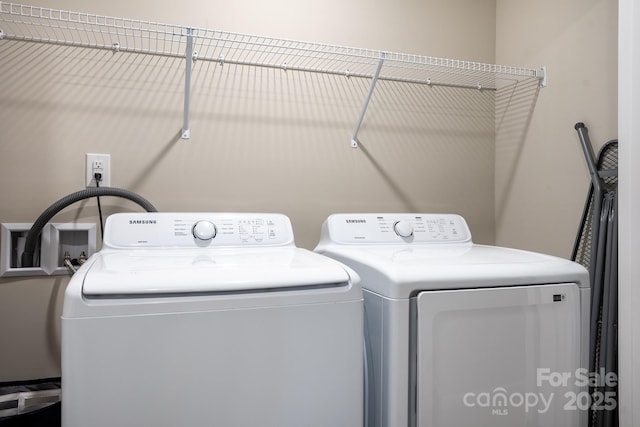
<point x="141" y="221"/>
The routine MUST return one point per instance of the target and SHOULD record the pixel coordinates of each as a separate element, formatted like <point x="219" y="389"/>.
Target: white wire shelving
<point x="43" y="25"/>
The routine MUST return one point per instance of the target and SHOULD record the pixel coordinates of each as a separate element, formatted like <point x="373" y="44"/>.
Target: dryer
<point x="210" y="319"/>
<point x="460" y="334"/>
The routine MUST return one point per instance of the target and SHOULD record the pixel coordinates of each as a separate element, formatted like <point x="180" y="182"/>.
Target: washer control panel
<point x="396" y="228"/>
<point x="160" y="229"/>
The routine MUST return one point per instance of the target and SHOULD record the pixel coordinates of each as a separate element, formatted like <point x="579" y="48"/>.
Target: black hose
<point x="43" y="219"/>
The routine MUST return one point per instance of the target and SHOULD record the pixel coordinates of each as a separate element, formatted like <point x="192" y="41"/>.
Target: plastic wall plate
<point x="11" y="248"/>
<point x="56" y="239"/>
<point x="74" y="238"/>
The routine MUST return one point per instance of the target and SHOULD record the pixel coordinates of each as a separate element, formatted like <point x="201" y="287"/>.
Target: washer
<point x="459" y="334"/>
<point x="210" y="319"/>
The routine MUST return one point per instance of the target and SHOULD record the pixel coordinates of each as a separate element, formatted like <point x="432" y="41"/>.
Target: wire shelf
<point x="43" y="25"/>
<point x="38" y="24"/>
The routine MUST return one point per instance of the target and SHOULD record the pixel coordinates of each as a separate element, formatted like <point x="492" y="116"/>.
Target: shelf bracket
<point x="374" y="80"/>
<point x="186" y="132"/>
<point x="543" y="76"/>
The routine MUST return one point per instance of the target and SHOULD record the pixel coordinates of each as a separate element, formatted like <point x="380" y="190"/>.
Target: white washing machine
<point x="462" y="335"/>
<point x="210" y="319"/>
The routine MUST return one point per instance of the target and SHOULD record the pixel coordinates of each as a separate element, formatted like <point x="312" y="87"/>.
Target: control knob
<point x="403" y="228"/>
<point x="204" y="230"/>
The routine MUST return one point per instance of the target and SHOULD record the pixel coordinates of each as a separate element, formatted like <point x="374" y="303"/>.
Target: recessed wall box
<point x="75" y="239"/>
<point x="11" y="247"/>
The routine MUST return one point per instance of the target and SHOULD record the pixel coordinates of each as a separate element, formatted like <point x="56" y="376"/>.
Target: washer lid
<point x="171" y="272"/>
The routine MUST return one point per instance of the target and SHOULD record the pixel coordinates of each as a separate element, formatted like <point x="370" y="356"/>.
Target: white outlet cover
<point x="91" y="159"/>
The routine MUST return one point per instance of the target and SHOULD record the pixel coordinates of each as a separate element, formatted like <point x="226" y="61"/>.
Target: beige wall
<point x="262" y="139"/>
<point x="541" y="176"/>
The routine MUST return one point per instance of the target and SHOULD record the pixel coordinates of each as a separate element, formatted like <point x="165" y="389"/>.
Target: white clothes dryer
<point x="210" y="319"/>
<point x="464" y="335"/>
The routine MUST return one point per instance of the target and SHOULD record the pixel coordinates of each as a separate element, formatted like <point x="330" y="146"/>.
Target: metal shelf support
<point x="189" y="55"/>
<point x="542" y="75"/>
<point x="374" y="80"/>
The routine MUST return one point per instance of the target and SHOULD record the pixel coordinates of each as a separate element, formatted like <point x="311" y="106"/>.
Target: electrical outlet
<point x="98" y="163"/>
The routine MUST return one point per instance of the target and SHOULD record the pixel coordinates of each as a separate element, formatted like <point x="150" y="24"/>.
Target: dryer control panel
<point x="394" y="228"/>
<point x="171" y="230"/>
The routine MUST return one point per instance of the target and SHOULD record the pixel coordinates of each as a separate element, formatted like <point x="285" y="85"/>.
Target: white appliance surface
<point x="188" y="271"/>
<point x="196" y="319"/>
<point x="454" y="329"/>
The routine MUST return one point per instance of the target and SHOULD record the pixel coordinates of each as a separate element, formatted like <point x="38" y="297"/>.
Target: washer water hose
<point x="43" y="219"/>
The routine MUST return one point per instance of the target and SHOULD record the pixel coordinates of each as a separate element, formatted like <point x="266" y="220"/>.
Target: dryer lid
<point x="399" y="271"/>
<point x="172" y="272"/>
